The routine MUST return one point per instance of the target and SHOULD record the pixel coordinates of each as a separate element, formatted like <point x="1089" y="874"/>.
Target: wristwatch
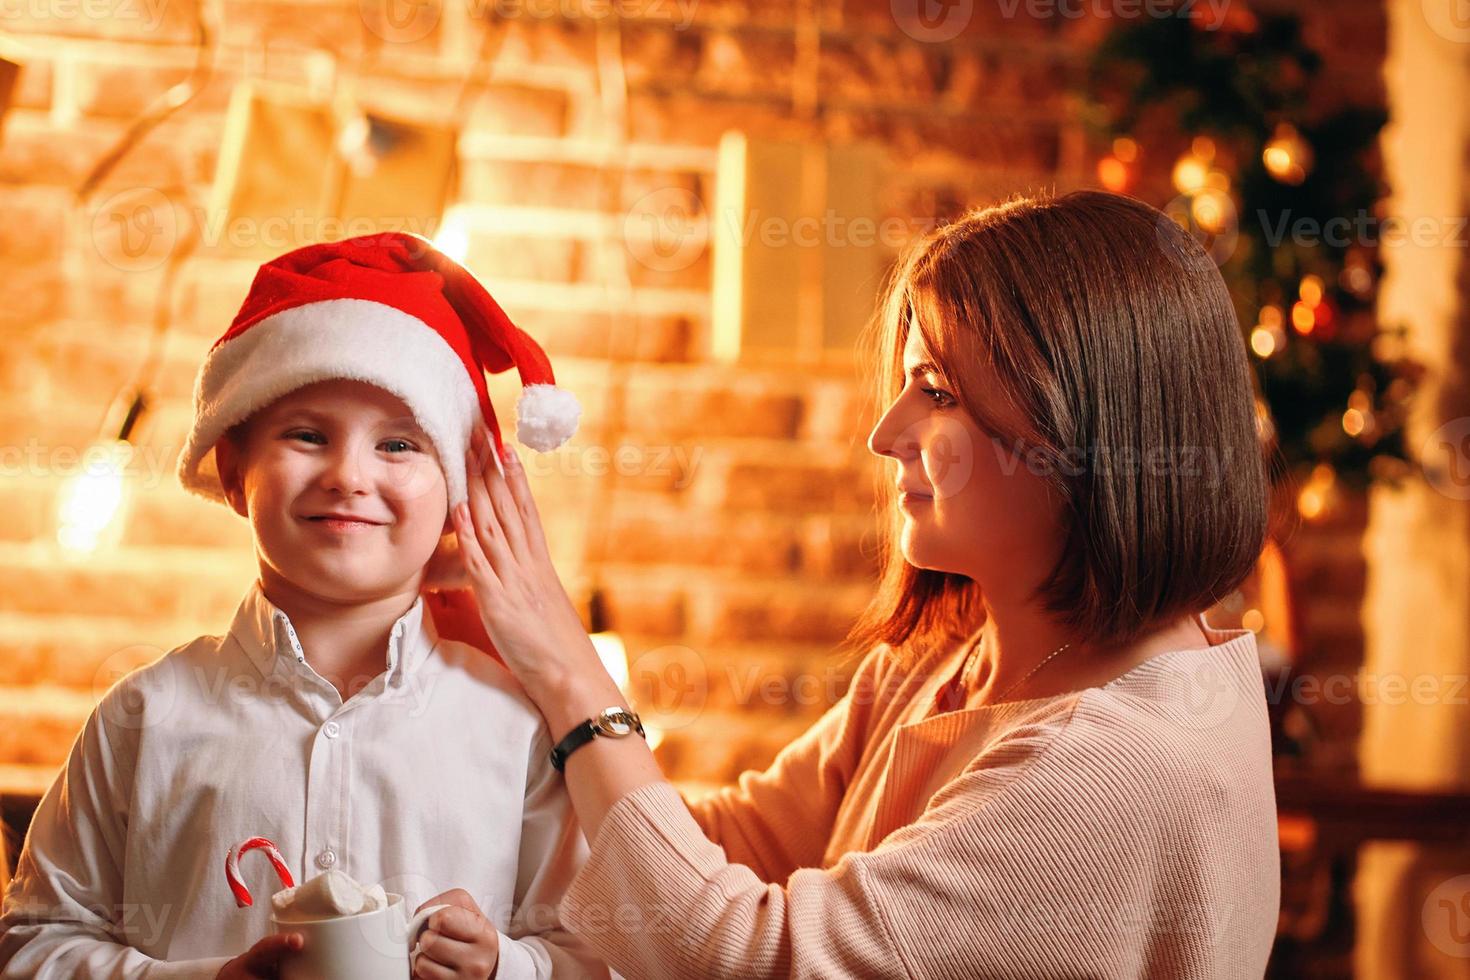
<point x="613" y="722"/>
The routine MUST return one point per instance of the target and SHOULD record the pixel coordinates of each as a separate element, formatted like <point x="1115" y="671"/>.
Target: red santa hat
<point x="388" y="309"/>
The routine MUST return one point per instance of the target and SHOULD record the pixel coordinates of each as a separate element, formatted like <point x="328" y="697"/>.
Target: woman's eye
<point x="942" y="399"/>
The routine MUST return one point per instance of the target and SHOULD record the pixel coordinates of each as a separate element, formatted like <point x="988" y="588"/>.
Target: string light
<point x="1302" y="318"/>
<point x="1207" y="188"/>
<point x="1263" y="342"/>
<point x="1190" y="174"/>
<point x="1356" y="277"/>
<point x="1267" y="337"/>
<point x="1211" y="210"/>
<point x="1316" y="497"/>
<point x="1359" y="421"/>
<point x="1113" y="174"/>
<point x="1287" y="156"/>
<point x="1311" y="290"/>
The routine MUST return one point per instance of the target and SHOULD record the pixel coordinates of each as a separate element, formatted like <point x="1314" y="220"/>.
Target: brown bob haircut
<point x="1111" y="333"/>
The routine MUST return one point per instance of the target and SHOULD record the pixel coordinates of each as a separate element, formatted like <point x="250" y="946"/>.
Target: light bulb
<point x="453" y="238"/>
<point x="91" y="502"/>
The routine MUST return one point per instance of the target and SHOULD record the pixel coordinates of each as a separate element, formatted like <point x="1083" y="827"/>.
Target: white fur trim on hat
<point x="546" y="416"/>
<point x="339" y="338"/>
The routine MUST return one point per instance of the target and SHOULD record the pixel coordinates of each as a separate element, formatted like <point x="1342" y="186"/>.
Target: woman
<point x="1047" y="763"/>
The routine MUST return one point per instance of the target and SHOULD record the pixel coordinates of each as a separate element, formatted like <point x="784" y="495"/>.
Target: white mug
<point x="368" y="946"/>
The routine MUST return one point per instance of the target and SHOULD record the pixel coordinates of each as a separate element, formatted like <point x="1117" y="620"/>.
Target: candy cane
<point x="232" y="868"/>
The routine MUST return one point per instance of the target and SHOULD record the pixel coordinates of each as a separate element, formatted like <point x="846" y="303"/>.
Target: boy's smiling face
<point x="344" y="448"/>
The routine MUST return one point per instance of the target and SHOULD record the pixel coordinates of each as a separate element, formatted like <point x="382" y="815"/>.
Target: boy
<point x="332" y="718"/>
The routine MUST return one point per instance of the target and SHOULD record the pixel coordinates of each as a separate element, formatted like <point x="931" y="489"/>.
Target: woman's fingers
<point x="520" y="492"/>
<point x="475" y="561"/>
<point x="486" y="526"/>
<point x="505" y="511"/>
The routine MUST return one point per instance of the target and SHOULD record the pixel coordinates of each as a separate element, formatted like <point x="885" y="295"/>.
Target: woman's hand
<point x="531" y="622"/>
<point x="523" y="605"/>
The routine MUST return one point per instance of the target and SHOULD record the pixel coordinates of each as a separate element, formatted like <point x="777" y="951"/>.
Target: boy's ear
<point x="227" y="463"/>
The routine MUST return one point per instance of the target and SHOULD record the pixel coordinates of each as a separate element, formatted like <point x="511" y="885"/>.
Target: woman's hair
<point x="4" y="857"/>
<point x="1112" y="337"/>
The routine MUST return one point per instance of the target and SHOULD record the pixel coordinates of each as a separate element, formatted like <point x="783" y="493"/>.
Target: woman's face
<point x="973" y="502"/>
<point x="346" y="448"/>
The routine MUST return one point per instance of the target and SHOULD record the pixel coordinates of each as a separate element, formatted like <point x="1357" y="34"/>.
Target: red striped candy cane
<point x="232" y="868"/>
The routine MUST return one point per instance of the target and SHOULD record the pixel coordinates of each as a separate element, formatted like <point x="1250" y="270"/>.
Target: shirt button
<point x="331" y="729"/>
<point x="326" y="859"/>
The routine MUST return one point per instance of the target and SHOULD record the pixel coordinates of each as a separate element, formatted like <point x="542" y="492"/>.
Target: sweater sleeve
<point x="781" y="819"/>
<point x="1042" y="858"/>
<point x="64" y="914"/>
<point x="869" y="915"/>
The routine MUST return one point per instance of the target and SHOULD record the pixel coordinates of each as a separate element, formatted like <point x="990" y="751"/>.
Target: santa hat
<point x="388" y="309"/>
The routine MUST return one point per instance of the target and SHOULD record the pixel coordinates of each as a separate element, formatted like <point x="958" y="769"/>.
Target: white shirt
<point x="434" y="776"/>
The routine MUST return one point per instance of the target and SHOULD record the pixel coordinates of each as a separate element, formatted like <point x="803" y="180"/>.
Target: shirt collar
<point x="265" y="632"/>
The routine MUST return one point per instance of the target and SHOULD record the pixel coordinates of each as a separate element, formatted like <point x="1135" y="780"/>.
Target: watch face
<point x="616" y="723"/>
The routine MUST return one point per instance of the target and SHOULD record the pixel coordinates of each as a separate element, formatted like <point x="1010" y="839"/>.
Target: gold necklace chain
<point x="1024" y="678"/>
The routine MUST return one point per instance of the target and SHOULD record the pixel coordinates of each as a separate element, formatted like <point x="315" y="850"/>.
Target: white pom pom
<point x="546" y="416"/>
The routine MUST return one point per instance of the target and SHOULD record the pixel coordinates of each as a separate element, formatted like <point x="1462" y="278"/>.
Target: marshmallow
<point x="331" y="894"/>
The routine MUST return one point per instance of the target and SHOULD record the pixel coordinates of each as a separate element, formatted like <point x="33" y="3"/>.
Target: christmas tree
<point x="1287" y="200"/>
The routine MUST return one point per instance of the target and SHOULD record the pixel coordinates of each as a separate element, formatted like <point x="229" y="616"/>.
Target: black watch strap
<point x="615" y="722"/>
<point x="575" y="739"/>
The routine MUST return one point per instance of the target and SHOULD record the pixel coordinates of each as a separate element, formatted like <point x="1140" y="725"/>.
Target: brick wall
<point x="1327" y="572"/>
<point x="731" y="548"/>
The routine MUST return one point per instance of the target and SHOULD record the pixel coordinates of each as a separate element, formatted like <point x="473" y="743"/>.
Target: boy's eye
<point x="407" y="447"/>
<point x="394" y="446"/>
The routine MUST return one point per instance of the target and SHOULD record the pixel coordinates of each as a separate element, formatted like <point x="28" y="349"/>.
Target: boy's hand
<point x="261" y="961"/>
<point x="459" y="943"/>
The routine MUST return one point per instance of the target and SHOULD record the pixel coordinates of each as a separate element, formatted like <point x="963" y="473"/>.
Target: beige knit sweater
<point x="1127" y="830"/>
